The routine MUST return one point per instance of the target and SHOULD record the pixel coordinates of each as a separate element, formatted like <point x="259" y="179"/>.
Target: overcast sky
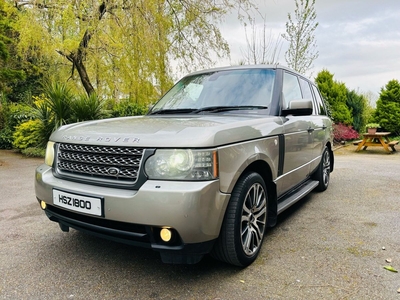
<point x="358" y="40"/>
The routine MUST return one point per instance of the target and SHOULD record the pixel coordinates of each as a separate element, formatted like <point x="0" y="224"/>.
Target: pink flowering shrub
<point x="343" y="132"/>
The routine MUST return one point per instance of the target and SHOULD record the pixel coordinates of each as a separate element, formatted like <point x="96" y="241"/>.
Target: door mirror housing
<point x="301" y="107"/>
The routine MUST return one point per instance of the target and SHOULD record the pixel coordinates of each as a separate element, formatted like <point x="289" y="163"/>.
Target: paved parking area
<point x="328" y="246"/>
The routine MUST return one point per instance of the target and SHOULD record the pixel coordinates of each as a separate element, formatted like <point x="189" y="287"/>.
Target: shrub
<point x="58" y="97"/>
<point x="19" y="113"/>
<point x="342" y="132"/>
<point x="2" y="116"/>
<point x="87" y="108"/>
<point x="6" y="138"/>
<point x="28" y="134"/>
<point x="44" y="114"/>
<point x="127" y="107"/>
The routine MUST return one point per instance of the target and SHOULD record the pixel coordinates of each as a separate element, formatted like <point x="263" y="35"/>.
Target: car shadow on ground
<point x="79" y="248"/>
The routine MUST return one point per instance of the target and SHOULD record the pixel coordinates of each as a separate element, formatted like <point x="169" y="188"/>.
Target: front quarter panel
<point x="234" y="159"/>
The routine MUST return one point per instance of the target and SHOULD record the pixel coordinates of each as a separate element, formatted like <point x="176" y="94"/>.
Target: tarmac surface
<point x="330" y="245"/>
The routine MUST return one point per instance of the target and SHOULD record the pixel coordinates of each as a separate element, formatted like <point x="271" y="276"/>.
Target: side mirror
<point x="302" y="107"/>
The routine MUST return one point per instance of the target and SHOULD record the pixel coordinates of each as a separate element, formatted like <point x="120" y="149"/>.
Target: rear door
<point x="322" y="125"/>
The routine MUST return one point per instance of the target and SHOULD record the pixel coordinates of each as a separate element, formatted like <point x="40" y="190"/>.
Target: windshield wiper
<point x="172" y="111"/>
<point x="212" y="109"/>
<point x="227" y="108"/>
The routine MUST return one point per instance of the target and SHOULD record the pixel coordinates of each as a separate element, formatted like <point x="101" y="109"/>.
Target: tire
<point x="243" y="229"/>
<point x="322" y="175"/>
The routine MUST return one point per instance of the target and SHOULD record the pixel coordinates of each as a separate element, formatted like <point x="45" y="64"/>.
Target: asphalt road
<point x="331" y="245"/>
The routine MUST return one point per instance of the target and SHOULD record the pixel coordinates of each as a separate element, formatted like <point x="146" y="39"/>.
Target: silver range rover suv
<point x="207" y="170"/>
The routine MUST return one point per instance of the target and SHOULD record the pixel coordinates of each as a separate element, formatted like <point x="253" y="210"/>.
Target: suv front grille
<point x="111" y="163"/>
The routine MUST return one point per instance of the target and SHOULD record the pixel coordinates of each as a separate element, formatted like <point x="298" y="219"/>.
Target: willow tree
<point x="10" y="68"/>
<point x="124" y="48"/>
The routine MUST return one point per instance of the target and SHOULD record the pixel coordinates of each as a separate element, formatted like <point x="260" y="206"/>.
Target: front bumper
<point x="194" y="210"/>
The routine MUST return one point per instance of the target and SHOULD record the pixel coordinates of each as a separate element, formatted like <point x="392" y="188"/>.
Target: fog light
<point x="166" y="234"/>
<point x="43" y="204"/>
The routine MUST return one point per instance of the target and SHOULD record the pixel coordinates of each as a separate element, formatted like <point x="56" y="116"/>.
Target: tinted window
<point x="291" y="89"/>
<point x="251" y="87"/>
<point x="305" y="88"/>
<point x="307" y="94"/>
<point x="320" y="103"/>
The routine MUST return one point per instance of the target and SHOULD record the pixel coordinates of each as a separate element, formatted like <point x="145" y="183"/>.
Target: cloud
<point x="358" y="41"/>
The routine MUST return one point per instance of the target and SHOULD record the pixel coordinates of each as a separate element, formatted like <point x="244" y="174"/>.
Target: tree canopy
<point x="387" y="112"/>
<point x="358" y="106"/>
<point x="10" y="71"/>
<point x="300" y="35"/>
<point x="336" y="95"/>
<point x="261" y="49"/>
<point x="125" y="49"/>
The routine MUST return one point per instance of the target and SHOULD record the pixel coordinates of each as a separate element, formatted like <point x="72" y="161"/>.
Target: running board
<point x="299" y="193"/>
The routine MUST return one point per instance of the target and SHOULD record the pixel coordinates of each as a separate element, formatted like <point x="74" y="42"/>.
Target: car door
<point x="322" y="125"/>
<point x="298" y="136"/>
<point x="317" y="128"/>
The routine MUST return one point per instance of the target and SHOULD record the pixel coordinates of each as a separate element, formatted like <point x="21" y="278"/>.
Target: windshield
<point x="232" y="88"/>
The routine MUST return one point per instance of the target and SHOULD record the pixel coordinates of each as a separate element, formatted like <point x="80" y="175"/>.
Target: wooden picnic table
<point x="380" y="139"/>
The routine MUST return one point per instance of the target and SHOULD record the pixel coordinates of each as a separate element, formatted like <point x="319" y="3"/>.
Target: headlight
<point x="183" y="164"/>
<point x="49" y="158"/>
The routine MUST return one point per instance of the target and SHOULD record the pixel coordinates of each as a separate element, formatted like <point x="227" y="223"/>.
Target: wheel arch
<point x="329" y="145"/>
<point x="261" y="167"/>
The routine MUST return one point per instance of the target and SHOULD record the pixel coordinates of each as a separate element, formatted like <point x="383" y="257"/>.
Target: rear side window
<point x="291" y="89"/>
<point x="320" y="109"/>
<point x="307" y="94"/>
<point x="305" y="88"/>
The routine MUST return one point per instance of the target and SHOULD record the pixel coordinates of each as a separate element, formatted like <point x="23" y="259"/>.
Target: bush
<point x="28" y="134"/>
<point x="19" y="113"/>
<point x="44" y="114"/>
<point x="6" y="138"/>
<point x="2" y="116"/>
<point x="342" y="132"/>
<point x="58" y="97"/>
<point x="127" y="107"/>
<point x="87" y="108"/>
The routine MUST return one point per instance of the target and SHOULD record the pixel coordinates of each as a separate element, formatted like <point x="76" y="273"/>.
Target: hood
<point x="168" y="131"/>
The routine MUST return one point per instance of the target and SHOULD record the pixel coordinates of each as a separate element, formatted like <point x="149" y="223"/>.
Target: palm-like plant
<point x="46" y="116"/>
<point x="87" y="108"/>
<point x="59" y="98"/>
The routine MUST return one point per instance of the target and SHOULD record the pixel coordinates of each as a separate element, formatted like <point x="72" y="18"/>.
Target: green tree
<point x="387" y="112"/>
<point x="301" y="37"/>
<point x="358" y="105"/>
<point x="336" y="94"/>
<point x="124" y="49"/>
<point x="9" y="74"/>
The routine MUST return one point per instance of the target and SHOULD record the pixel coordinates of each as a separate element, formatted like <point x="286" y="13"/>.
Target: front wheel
<point x="244" y="224"/>
<point x="322" y="175"/>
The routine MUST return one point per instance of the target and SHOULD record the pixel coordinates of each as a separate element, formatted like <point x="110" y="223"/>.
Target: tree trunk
<point x="77" y="59"/>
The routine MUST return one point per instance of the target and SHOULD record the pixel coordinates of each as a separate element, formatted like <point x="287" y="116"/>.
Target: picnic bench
<point x="380" y="139"/>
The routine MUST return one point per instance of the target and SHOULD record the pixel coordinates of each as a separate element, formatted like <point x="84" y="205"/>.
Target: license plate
<point x="79" y="203"/>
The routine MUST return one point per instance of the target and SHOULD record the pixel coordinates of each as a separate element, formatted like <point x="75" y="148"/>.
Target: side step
<point x="296" y="195"/>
